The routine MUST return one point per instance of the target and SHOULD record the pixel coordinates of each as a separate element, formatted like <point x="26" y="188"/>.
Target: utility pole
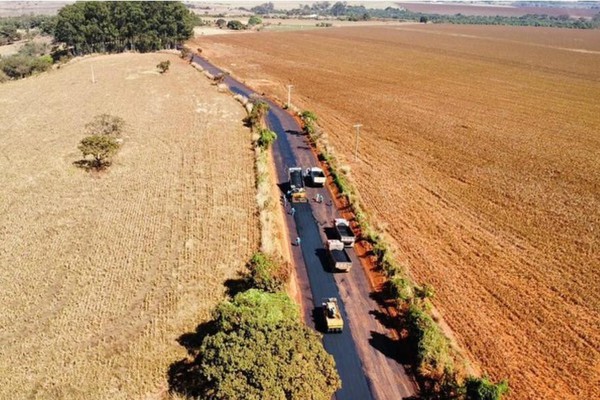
<point x="289" y="95"/>
<point x="93" y="77"/>
<point x="357" y="126"/>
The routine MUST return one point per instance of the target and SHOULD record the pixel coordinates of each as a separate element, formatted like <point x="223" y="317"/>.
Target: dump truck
<point x="316" y="176"/>
<point x="332" y="315"/>
<point x="344" y="232"/>
<point x="339" y="259"/>
<point x="297" y="192"/>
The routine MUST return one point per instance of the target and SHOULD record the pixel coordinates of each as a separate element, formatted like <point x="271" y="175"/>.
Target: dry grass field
<point x="100" y="274"/>
<point x="480" y="153"/>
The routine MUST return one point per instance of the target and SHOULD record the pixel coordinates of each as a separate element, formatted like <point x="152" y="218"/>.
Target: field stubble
<point x="479" y="151"/>
<point x="101" y="274"/>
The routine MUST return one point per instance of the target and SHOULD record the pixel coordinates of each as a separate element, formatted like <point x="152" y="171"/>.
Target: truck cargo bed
<point x="340" y="256"/>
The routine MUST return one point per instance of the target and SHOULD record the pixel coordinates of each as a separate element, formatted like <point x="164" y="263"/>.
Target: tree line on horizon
<point x="342" y="10"/>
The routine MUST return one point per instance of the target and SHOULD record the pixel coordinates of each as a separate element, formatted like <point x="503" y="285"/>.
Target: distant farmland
<point x="100" y="274"/>
<point x="479" y="152"/>
<point x="493" y="10"/>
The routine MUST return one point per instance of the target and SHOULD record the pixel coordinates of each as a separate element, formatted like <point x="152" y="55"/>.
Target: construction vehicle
<point x="344" y="232"/>
<point x="332" y="315"/>
<point x="316" y="176"/>
<point x="340" y="260"/>
<point x="297" y="191"/>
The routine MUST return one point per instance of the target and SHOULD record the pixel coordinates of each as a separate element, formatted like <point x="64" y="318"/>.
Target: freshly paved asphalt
<point x="341" y="346"/>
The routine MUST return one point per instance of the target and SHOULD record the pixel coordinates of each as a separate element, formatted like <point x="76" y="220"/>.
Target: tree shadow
<point x="385" y="319"/>
<point x="184" y="376"/>
<point x="395" y="349"/>
<point x="238" y="285"/>
<point x="90" y="165"/>
<point x="193" y="340"/>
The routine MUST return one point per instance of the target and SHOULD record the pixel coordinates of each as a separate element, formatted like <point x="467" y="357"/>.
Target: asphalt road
<point x="364" y="353"/>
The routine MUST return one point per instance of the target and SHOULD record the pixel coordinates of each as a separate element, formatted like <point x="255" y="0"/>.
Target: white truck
<point x="340" y="260"/>
<point x="344" y="232"/>
<point x="317" y="177"/>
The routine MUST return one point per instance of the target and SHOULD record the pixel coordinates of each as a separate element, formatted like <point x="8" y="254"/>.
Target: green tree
<point x="262" y="351"/>
<point x="101" y="147"/>
<point x="118" y="26"/>
<point x="236" y="25"/>
<point x="254" y="20"/>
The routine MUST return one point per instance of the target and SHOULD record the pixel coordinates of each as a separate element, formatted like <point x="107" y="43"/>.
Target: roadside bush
<point x="401" y="289"/>
<point x="431" y="346"/>
<point x="484" y="389"/>
<point x="185" y="52"/>
<point x="266" y="137"/>
<point x="268" y="274"/>
<point x="256" y="117"/>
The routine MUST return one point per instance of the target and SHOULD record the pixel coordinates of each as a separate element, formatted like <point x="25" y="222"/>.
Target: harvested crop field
<point x="479" y="152"/>
<point x="101" y="273"/>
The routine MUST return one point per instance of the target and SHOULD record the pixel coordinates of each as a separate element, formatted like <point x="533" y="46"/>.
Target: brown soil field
<point x="101" y="273"/>
<point x="479" y="152"/>
<point x="493" y="10"/>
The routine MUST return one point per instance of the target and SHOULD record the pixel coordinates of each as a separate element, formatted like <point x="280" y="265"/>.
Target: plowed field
<point x="100" y="274"/>
<point x="480" y="152"/>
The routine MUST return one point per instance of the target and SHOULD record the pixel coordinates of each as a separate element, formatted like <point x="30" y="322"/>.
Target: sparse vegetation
<point x="268" y="274"/>
<point x="106" y="124"/>
<point x="254" y="20"/>
<point x="265" y="138"/>
<point x="163" y="66"/>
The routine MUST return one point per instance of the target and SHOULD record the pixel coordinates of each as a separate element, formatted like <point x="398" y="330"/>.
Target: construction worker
<point x="298" y="240"/>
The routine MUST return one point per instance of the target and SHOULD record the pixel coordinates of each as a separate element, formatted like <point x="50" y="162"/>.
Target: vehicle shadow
<point x="324" y="259"/>
<point x="330" y="232"/>
<point x="319" y="321"/>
